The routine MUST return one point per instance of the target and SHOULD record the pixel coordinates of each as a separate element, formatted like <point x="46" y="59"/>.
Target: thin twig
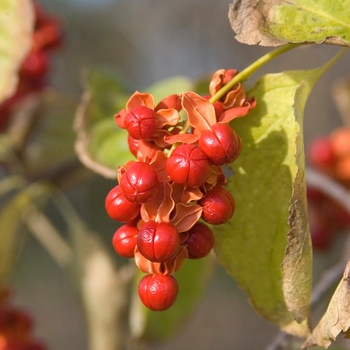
<point x="46" y="233"/>
<point x="81" y="145"/>
<point x="279" y="341"/>
<point x="328" y="186"/>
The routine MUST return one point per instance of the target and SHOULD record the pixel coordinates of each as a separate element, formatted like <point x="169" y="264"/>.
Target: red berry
<point x="125" y="239"/>
<point x="320" y="153"/>
<point x="36" y="346"/>
<point x="340" y="216"/>
<point x="221" y="144"/>
<point x="35" y="66"/>
<point x="140" y="183"/>
<point x="200" y="241"/>
<point x="141" y="122"/>
<point x="314" y="195"/>
<point x="219" y="109"/>
<point x="342" y="169"/>
<point x="158" y="292"/>
<point x="187" y="164"/>
<point x="340" y="142"/>
<point x="119" y="208"/>
<point x="133" y="145"/>
<point x="48" y="36"/>
<point x="321" y="238"/>
<point x="158" y="241"/>
<point x="218" y="206"/>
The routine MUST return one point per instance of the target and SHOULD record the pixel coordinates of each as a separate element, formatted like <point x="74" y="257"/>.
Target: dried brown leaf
<point x="248" y="20"/>
<point x="278" y="22"/>
<point x="337" y="317"/>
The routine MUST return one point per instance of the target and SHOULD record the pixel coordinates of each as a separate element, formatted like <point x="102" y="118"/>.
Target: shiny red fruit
<point x="322" y="239"/>
<point x="320" y="153"/>
<point x="218" y="206"/>
<point x="158" y="241"/>
<point x="35" y="66"/>
<point x="314" y="195"/>
<point x="200" y="241"/>
<point x="140" y="183"/>
<point x="133" y="145"/>
<point x="124" y="240"/>
<point x="221" y="144"/>
<point x="188" y="165"/>
<point x="119" y="208"/>
<point x="48" y="36"/>
<point x="340" y="142"/>
<point x="141" y="122"/>
<point x="158" y="292"/>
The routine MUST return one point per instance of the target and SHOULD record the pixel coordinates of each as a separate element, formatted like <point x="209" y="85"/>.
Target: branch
<point x="46" y="233"/>
<point x="83" y="139"/>
<point x="104" y="288"/>
<point x="328" y="186"/>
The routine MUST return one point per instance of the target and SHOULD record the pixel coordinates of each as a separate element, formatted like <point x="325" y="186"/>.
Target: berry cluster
<point x="47" y="36"/>
<point x="15" y="327"/>
<point x="176" y="180"/>
<point x="331" y="155"/>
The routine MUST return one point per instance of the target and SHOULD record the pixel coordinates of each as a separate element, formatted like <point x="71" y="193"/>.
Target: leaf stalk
<point x="247" y="72"/>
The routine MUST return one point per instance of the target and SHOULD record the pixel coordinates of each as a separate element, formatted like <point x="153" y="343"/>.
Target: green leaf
<point x="16" y="26"/>
<point x="275" y="22"/>
<point x="172" y="85"/>
<point x="270" y="226"/>
<point x="100" y="144"/>
<point x="103" y="142"/>
<point x="11" y="225"/>
<point x="150" y="325"/>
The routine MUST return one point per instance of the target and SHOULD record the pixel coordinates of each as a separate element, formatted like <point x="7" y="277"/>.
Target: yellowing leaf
<point x="16" y="25"/>
<point x="269" y="228"/>
<point x="277" y="22"/>
<point x="297" y="262"/>
<point x="337" y="317"/>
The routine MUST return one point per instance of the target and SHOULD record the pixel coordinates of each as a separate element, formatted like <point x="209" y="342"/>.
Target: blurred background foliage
<point x="143" y="42"/>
